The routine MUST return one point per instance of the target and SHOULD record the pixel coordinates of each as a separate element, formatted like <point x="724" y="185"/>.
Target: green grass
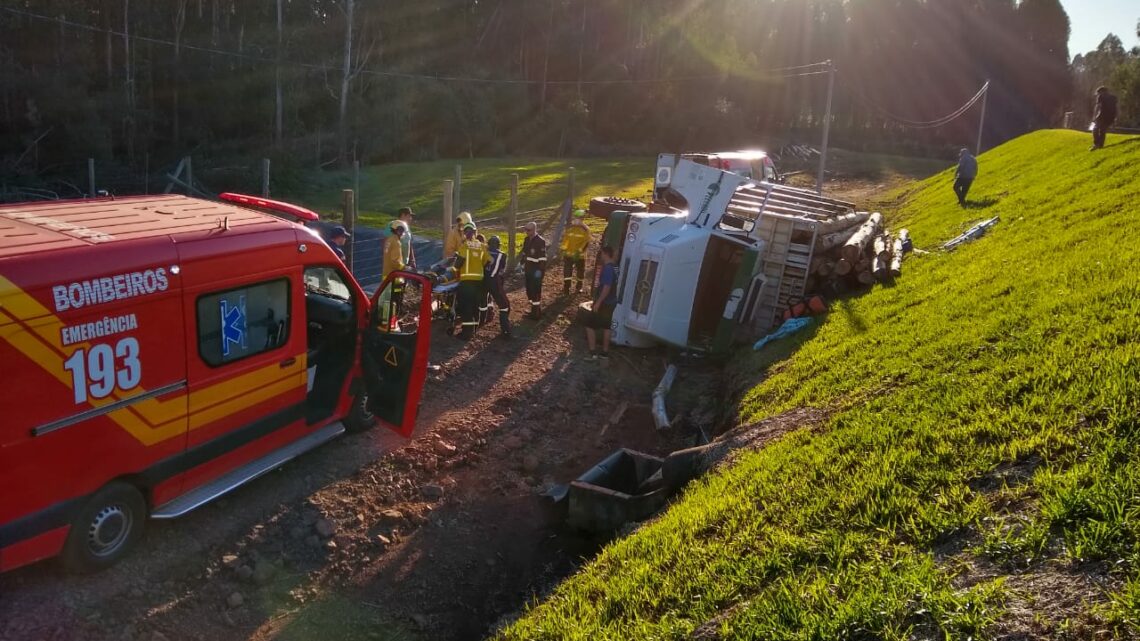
<point x="485" y="190"/>
<point x="1018" y="351"/>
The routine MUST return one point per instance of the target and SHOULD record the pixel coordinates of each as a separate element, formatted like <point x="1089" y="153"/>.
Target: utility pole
<point x="982" y="124"/>
<point x="826" y="126"/>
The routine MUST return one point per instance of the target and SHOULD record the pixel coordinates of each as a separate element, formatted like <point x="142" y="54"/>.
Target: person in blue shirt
<point x="603" y="309"/>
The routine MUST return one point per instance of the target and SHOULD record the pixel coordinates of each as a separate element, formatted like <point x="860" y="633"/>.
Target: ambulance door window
<point x="238" y="323"/>
<point x="331" y="330"/>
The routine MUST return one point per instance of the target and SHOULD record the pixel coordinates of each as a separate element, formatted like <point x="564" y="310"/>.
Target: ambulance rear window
<point x="239" y="323"/>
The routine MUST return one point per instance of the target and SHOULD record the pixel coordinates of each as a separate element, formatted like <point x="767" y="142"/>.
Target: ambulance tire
<point x="106" y="529"/>
<point x="360" y="418"/>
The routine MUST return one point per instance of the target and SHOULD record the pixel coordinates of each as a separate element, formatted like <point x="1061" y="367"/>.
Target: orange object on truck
<point x="159" y="351"/>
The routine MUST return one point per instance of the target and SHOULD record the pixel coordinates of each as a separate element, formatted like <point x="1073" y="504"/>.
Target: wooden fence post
<point x="356" y="185"/>
<point x="349" y="223"/>
<point x="512" y="222"/>
<point x="570" y="188"/>
<point x="265" y="178"/>
<point x="457" y="203"/>
<point x="90" y="177"/>
<point x="448" y="211"/>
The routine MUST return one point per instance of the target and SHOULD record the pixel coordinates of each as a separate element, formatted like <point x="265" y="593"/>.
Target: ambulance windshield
<point x="327" y="282"/>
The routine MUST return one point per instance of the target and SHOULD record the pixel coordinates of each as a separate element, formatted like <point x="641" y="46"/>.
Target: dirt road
<point x="374" y="537"/>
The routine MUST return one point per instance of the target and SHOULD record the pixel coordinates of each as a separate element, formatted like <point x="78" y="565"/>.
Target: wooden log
<point x="863" y="264"/>
<point x="897" y="255"/>
<point x="846" y="221"/>
<point x="828" y="242"/>
<point x="825" y="268"/>
<point x="881" y="261"/>
<point x="865" y="278"/>
<point x="857" y="244"/>
<point x="842" y="267"/>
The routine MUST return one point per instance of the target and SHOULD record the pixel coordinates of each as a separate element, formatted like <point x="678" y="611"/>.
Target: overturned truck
<point x="717" y="257"/>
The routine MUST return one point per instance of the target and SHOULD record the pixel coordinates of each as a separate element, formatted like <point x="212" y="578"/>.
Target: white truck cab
<point x="718" y="252"/>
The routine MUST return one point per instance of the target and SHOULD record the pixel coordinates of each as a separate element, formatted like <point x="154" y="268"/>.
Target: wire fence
<point x="365" y="249"/>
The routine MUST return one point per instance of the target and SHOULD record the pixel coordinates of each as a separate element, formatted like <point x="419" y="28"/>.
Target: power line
<point x="917" y="124"/>
<point x="769" y="74"/>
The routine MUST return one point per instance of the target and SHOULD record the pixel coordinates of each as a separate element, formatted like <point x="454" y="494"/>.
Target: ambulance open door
<point x="395" y="352"/>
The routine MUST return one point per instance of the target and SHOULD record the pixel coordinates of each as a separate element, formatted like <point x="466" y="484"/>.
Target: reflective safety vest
<point x="393" y="256"/>
<point x="575" y="240"/>
<point x="475" y="257"/>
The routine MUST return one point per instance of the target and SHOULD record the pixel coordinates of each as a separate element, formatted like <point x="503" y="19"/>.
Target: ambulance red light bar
<point x="272" y="205"/>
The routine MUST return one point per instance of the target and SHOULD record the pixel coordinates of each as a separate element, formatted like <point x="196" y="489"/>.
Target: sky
<point x="1092" y="20"/>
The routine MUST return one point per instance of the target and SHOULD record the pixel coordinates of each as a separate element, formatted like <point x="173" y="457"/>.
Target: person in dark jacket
<point x="1103" y="116"/>
<point x="336" y="239"/>
<point x="534" y="265"/>
<point x="964" y="176"/>
<point x="494" y="277"/>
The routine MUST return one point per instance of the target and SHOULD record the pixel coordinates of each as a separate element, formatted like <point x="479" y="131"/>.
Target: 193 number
<point x="96" y="372"/>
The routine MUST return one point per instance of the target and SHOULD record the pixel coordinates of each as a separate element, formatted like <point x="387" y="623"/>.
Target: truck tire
<point x="360" y="418"/>
<point x="106" y="529"/>
<point x="603" y="206"/>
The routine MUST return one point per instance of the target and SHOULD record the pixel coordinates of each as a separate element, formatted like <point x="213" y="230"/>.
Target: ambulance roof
<point x="29" y="228"/>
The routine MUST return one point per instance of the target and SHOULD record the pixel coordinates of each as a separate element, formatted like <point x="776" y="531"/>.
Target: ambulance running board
<point x="212" y="490"/>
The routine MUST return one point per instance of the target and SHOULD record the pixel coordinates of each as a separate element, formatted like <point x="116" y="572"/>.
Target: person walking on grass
<point x="574" y="242"/>
<point x="602" y="312"/>
<point x="534" y="253"/>
<point x="964" y="176"/>
<point x="1103" y="117"/>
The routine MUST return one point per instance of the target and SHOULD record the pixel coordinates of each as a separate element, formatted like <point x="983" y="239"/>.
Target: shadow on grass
<point x="1126" y="141"/>
<point x="843" y="305"/>
<point x="983" y="203"/>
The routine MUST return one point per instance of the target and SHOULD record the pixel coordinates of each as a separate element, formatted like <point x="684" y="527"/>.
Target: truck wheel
<point x="360" y="418"/>
<point x="603" y="206"/>
<point x="106" y="529"/>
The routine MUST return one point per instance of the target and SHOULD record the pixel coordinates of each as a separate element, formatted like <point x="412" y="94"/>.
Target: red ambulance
<point x="159" y="351"/>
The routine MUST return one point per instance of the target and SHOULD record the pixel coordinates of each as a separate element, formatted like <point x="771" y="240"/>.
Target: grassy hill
<point x="976" y="473"/>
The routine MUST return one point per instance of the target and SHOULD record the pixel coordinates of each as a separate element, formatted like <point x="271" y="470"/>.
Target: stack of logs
<point x="855" y="248"/>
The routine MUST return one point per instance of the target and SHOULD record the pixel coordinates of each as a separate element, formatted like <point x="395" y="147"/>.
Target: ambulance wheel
<point x="360" y="418"/>
<point x="106" y="529"/>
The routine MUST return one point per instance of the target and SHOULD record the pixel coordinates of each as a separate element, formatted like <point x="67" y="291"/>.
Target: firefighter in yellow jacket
<point x="471" y="258"/>
<point x="394" y="261"/>
<point x="393" y="249"/>
<point x="455" y="235"/>
<point x="574" y="242"/>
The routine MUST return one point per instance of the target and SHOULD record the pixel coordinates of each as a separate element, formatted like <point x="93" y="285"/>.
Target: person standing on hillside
<point x="964" y="176"/>
<point x="574" y="242"/>
<point x="1103" y="116"/>
<point x="534" y="255"/>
